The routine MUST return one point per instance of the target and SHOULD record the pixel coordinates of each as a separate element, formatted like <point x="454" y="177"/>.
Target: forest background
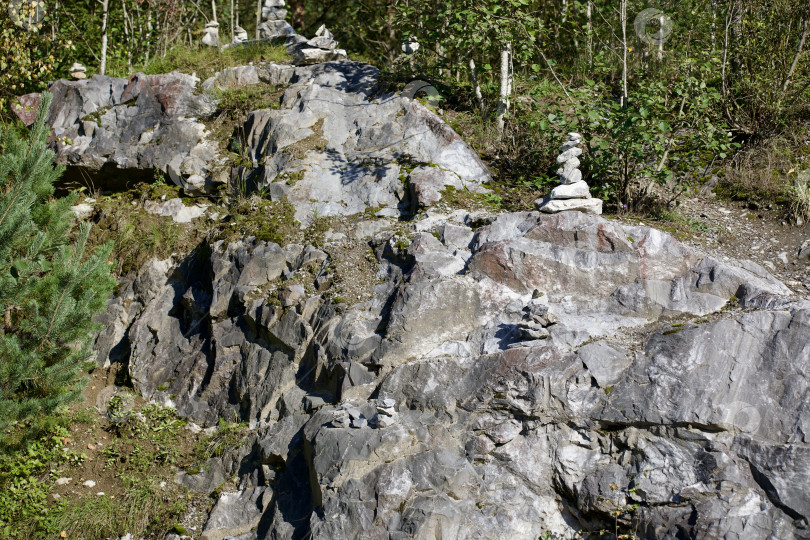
<point x="672" y="93"/>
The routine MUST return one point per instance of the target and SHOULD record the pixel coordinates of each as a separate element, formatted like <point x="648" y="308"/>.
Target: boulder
<point x="26" y="108"/>
<point x="236" y="513"/>
<point x="106" y="125"/>
<point x="332" y="150"/>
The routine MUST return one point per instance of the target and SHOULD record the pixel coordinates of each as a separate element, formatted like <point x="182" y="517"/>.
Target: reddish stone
<point x="27" y="107"/>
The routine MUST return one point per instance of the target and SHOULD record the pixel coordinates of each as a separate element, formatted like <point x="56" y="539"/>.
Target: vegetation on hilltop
<point x="697" y="90"/>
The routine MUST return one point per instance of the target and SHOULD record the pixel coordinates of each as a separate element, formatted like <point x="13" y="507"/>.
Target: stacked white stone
<point x="341" y="419"/>
<point x="274" y="25"/>
<point x="211" y="37"/>
<point x="240" y="35"/>
<point x="573" y="193"/>
<point x="273" y="10"/>
<point x="386" y="413"/>
<point x="77" y="71"/>
<point x="321" y="48"/>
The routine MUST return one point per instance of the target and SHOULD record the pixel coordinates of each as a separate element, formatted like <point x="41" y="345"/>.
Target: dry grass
<point x="759" y="172"/>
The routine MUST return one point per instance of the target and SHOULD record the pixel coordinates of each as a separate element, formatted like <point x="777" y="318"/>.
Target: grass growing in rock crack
<point x="138" y="235"/>
<point x="229" y="435"/>
<point x="800" y="203"/>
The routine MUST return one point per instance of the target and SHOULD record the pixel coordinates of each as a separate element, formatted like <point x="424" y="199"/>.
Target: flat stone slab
<point x="577" y="190"/>
<point x="552" y="206"/>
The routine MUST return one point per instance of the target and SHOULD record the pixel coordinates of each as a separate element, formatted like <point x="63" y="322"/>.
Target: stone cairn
<point x="574" y="193"/>
<point x="536" y="321"/>
<point x="349" y="415"/>
<point x="240" y="35"/>
<point x="211" y="37"/>
<point x="78" y="71"/>
<point x="321" y="48"/>
<point x="274" y="25"/>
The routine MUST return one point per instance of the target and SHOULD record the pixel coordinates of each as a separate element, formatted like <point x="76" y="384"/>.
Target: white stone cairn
<point x="274" y="10"/>
<point x="321" y="48"/>
<point x="78" y="71"/>
<point x="211" y="37"/>
<point x="573" y="193"/>
<point x="240" y="35"/>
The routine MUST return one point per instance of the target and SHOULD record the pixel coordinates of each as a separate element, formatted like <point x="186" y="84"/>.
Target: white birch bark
<point x="477" y="87"/>
<point x="506" y="87"/>
<point x="624" y="52"/>
<point x="104" y="14"/>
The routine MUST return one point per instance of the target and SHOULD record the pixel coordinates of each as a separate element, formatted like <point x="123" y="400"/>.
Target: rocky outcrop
<point x="122" y="129"/>
<point x="539" y="374"/>
<point x="331" y="146"/>
<point x="332" y="149"/>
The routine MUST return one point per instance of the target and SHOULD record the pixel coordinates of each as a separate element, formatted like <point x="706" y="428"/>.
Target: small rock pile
<point x="574" y="193"/>
<point x="78" y="71"/>
<point x="274" y="25"/>
<point x="349" y="415"/>
<point x="240" y="35"/>
<point x="211" y="37"/>
<point x="321" y="48"/>
<point x="536" y="320"/>
<point x="386" y="414"/>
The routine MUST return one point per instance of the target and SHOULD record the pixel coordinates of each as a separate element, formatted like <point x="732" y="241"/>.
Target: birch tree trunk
<point x="104" y="14"/>
<point x="258" y="17"/>
<point x="624" y="52"/>
<point x="506" y="87"/>
<point x="214" y="10"/>
<point x="661" y="37"/>
<point x="129" y="31"/>
<point x="477" y="87"/>
<point x="232" y="26"/>
<point x="798" y="52"/>
<point x="589" y="15"/>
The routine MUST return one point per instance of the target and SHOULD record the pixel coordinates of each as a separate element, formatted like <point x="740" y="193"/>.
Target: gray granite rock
<point x="566" y="368"/>
<point x="236" y="513"/>
<point x="106" y="126"/>
<point x="348" y="151"/>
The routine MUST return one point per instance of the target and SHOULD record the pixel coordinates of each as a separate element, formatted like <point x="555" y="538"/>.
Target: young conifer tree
<point x="49" y="289"/>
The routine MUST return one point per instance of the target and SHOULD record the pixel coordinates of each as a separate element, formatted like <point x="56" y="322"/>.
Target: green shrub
<point x="50" y="289"/>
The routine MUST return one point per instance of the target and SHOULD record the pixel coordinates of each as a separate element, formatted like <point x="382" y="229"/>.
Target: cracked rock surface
<point x="536" y="374"/>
